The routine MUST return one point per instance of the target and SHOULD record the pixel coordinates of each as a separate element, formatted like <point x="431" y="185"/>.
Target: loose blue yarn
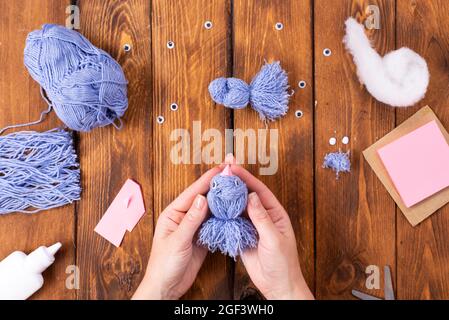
<point x="267" y="92"/>
<point x="38" y="171"/>
<point x="226" y="230"/>
<point x="337" y="161"/>
<point x="86" y="86"/>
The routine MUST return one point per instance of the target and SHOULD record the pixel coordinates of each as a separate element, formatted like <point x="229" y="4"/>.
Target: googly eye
<point x="208" y="25"/>
<point x="299" y="114"/>
<point x="170" y="44"/>
<point x="160" y="119"/>
<point x="127" y="47"/>
<point x="327" y="52"/>
<point x="214" y="185"/>
<point x="302" y="84"/>
<point x="279" y="26"/>
<point x="174" y="106"/>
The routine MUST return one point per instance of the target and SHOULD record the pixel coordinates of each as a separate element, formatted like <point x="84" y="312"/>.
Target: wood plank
<point x="20" y="102"/>
<point x="423" y="251"/>
<point x="110" y="156"/>
<point x="255" y="40"/>
<point x="355" y="217"/>
<point x="181" y="75"/>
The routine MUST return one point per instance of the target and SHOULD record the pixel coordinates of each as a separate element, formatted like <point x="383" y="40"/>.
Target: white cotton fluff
<point x="399" y="79"/>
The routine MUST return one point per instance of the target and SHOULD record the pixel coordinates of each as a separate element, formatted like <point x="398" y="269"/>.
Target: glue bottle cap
<point x="41" y="258"/>
<point x="54" y="248"/>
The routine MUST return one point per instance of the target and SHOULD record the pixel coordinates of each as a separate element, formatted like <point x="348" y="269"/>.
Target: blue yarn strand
<point x="226" y="230"/>
<point x="267" y="93"/>
<point x="38" y="171"/>
<point x="86" y="86"/>
<point x="41" y="118"/>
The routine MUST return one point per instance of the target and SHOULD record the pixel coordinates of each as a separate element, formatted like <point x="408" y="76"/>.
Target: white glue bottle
<point x="21" y="274"/>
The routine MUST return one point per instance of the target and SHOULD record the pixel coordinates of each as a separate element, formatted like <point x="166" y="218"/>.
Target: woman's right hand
<point x="273" y="265"/>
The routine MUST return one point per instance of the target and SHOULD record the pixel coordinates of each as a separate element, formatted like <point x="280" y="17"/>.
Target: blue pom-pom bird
<point x="227" y="230"/>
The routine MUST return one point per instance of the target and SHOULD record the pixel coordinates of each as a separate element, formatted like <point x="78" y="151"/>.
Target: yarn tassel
<point x="229" y="236"/>
<point x="38" y="171"/>
<point x="267" y="93"/>
<point x="337" y="161"/>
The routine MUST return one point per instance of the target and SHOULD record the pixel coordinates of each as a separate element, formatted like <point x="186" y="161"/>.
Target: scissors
<point x="388" y="288"/>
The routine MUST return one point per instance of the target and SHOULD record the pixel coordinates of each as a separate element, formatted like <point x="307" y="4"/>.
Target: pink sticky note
<point x="417" y="163"/>
<point x="123" y="214"/>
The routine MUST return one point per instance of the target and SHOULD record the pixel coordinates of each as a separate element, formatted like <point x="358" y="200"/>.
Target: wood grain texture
<point x="181" y="75"/>
<point x="255" y="40"/>
<point x="20" y="102"/>
<point x="423" y="251"/>
<point x="110" y="156"/>
<point x="355" y="217"/>
<point x="353" y="221"/>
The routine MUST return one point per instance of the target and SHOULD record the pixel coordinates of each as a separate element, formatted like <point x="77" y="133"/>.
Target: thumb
<point x="260" y="218"/>
<point x="192" y="220"/>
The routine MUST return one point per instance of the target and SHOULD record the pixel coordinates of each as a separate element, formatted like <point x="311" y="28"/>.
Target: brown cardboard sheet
<point x="425" y="208"/>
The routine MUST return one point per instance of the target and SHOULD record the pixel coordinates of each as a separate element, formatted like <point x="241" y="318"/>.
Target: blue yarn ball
<point x="227" y="230"/>
<point x="86" y="86"/>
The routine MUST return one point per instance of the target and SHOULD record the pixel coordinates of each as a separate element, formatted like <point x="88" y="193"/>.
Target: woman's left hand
<point x="175" y="257"/>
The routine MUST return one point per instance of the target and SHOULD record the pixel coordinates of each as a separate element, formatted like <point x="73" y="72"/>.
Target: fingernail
<point x="199" y="202"/>
<point x="229" y="159"/>
<point x="254" y="199"/>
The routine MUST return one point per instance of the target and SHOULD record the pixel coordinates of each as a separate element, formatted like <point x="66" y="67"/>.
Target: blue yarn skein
<point x="85" y="85"/>
<point x="226" y="230"/>
<point x="267" y="92"/>
<point x="38" y="171"/>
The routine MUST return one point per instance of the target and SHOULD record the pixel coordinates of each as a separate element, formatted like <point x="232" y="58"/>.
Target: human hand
<point x="273" y="265"/>
<point x="175" y="259"/>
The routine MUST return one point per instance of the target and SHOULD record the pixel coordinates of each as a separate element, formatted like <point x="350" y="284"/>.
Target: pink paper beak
<point x="226" y="171"/>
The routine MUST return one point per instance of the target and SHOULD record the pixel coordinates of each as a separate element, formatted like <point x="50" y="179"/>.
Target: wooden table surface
<point x="342" y="226"/>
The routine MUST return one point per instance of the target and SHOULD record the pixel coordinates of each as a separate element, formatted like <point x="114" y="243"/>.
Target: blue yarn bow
<point x="267" y="92"/>
<point x="226" y="230"/>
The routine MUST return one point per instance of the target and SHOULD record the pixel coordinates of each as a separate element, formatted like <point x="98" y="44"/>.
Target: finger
<point x="267" y="197"/>
<point x="201" y="186"/>
<point x="198" y="256"/>
<point x="250" y="259"/>
<point x="168" y="222"/>
<point x="192" y="220"/>
<point x="261" y="219"/>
